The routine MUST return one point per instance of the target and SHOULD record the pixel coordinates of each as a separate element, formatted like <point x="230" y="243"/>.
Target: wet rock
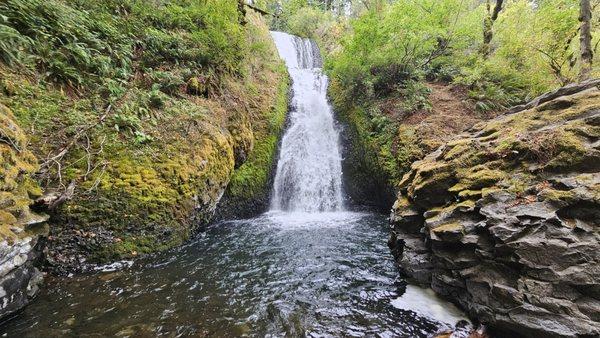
<point x="504" y="220"/>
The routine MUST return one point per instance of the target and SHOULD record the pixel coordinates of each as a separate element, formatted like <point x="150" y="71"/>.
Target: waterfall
<point x="309" y="170"/>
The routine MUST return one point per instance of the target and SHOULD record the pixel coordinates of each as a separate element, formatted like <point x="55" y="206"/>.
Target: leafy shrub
<point x="307" y="21"/>
<point x="65" y="43"/>
<point x="81" y="42"/>
<point x="11" y="43"/>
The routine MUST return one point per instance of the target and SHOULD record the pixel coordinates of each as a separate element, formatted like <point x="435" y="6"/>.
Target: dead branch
<point x="53" y="200"/>
<point x="75" y="139"/>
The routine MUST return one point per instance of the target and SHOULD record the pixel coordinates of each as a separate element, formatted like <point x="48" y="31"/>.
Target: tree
<point x="585" y="39"/>
<point x="488" y="24"/>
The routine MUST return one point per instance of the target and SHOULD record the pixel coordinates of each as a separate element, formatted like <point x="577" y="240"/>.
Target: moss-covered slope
<point x="249" y="190"/>
<point x="504" y="219"/>
<point x="146" y="109"/>
<point x="383" y="136"/>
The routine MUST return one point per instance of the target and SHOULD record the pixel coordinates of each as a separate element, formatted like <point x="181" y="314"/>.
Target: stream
<point x="281" y="274"/>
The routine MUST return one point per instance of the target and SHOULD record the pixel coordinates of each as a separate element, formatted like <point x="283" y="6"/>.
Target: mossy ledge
<point x="22" y="231"/>
<point x="504" y="218"/>
<point x="248" y="193"/>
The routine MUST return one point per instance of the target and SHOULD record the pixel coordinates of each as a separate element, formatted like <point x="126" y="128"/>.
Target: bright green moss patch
<point x="17" y="189"/>
<point x="558" y="196"/>
<point x="476" y="178"/>
<point x="251" y="179"/>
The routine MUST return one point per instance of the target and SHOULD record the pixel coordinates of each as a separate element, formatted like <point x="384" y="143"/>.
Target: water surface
<point x="294" y="274"/>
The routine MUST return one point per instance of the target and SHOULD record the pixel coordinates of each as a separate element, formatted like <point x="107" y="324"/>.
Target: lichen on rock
<point x="504" y="219"/>
<point x="22" y="231"/>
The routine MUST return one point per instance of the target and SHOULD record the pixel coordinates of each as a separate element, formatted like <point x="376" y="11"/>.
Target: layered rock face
<point x="504" y="219"/>
<point x="21" y="230"/>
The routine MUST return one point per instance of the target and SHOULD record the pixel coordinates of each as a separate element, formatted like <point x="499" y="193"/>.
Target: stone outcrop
<point x="504" y="219"/>
<point x="22" y="231"/>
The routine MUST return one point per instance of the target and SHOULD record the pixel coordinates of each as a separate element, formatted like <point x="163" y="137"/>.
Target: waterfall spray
<point x="309" y="170"/>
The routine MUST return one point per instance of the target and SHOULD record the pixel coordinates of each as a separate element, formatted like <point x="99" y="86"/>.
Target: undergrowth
<point x="145" y="106"/>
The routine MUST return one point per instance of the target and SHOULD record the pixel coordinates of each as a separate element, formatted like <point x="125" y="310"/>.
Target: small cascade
<point x="309" y="170"/>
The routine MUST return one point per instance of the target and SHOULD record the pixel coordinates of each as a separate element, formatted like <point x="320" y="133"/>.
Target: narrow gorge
<point x="296" y="168"/>
<point x="250" y="276"/>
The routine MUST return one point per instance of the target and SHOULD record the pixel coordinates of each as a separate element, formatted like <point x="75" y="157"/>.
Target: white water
<point x="309" y="170"/>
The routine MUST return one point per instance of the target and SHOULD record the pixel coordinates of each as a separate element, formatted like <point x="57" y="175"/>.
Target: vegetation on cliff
<point x="21" y="229"/>
<point x="504" y="218"/>
<point x="139" y="112"/>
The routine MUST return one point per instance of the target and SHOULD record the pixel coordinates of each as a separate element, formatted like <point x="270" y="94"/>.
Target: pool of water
<point x="281" y="274"/>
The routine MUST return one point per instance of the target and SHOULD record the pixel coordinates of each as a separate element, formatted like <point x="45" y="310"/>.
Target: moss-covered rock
<point x="249" y="190"/>
<point x="151" y="157"/>
<point x="510" y="204"/>
<point x="21" y="230"/>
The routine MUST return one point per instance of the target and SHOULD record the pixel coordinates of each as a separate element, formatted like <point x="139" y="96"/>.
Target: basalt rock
<point x="22" y="231"/>
<point x="504" y="219"/>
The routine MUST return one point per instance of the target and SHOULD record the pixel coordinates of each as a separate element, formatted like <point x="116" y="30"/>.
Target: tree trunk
<point x="488" y="25"/>
<point x="585" y="38"/>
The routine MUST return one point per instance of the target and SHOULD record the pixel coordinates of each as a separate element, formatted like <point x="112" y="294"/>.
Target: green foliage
<point x="80" y="42"/>
<point x="307" y="21"/>
<point x="66" y="43"/>
<point x="11" y="43"/>
<point x="534" y="49"/>
<point x="142" y="96"/>
<point x="386" y="50"/>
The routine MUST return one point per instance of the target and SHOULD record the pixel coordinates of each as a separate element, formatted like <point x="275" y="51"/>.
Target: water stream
<point x="281" y="274"/>
<point x="306" y="268"/>
<point x="309" y="169"/>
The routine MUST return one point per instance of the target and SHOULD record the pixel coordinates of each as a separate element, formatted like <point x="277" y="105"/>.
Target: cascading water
<point x="309" y="171"/>
<point x="326" y="274"/>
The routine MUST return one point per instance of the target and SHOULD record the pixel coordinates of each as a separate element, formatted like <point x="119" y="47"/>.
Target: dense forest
<point x="241" y="165"/>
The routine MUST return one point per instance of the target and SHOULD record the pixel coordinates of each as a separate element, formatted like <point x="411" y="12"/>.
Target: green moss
<point x="557" y="196"/>
<point x="430" y="173"/>
<point x="469" y="194"/>
<point x="477" y="178"/>
<point x="466" y="205"/>
<point x="251" y="179"/>
<point x="17" y="189"/>
<point x="448" y="227"/>
<point x="565" y="149"/>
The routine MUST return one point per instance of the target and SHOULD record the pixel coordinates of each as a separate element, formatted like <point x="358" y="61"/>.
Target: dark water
<point x="277" y="275"/>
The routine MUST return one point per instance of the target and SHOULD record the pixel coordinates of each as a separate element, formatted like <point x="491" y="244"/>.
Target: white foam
<point x="426" y="303"/>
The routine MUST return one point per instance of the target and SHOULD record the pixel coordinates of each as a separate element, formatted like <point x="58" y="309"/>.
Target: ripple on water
<point x="280" y="274"/>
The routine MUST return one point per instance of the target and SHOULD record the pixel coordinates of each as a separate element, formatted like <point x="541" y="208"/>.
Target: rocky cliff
<point x="504" y="219"/>
<point x="22" y="231"/>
